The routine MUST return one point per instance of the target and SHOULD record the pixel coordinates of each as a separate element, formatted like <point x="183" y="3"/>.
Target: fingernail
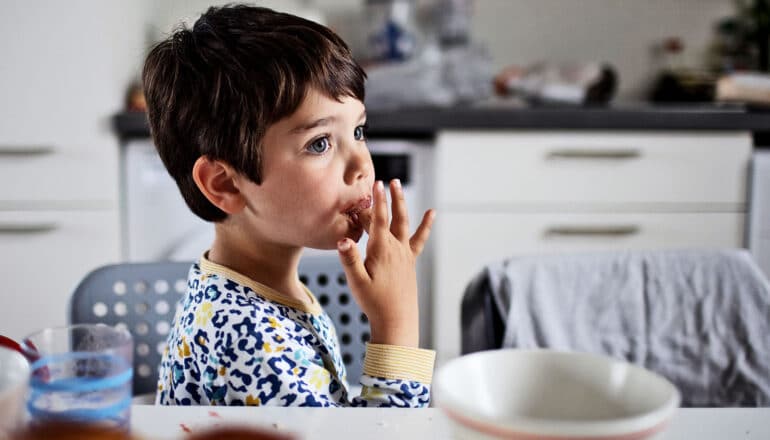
<point x="397" y="183"/>
<point x="380" y="186"/>
<point x="343" y="245"/>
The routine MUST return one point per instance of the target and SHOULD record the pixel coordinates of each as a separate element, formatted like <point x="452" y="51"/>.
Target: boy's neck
<point x="266" y="263"/>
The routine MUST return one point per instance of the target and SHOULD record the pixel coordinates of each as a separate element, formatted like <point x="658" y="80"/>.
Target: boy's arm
<point x="396" y="376"/>
<point x="294" y="376"/>
<point x="385" y="284"/>
<point x="385" y="287"/>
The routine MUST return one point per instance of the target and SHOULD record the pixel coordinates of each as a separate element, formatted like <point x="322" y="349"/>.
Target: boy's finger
<point x="351" y="262"/>
<point x="399" y="224"/>
<point x="380" y="207"/>
<point x="365" y="219"/>
<point x="417" y="242"/>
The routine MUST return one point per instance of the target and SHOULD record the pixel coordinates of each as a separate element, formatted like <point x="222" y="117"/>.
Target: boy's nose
<point x="359" y="164"/>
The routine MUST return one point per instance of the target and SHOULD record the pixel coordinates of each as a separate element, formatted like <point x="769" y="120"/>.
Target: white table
<point x="156" y="422"/>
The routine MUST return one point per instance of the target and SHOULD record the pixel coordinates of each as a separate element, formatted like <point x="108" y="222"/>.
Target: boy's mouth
<point x="354" y="210"/>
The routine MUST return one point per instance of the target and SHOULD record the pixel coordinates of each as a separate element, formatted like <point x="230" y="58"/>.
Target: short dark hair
<point x="213" y="90"/>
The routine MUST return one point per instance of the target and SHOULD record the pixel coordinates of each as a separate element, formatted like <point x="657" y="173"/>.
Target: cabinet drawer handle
<point x="593" y="231"/>
<point x="587" y="153"/>
<point x="27" y="228"/>
<point x="18" y="150"/>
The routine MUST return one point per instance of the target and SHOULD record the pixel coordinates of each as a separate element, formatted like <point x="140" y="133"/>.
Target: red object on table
<point x="31" y="357"/>
<point x="7" y="342"/>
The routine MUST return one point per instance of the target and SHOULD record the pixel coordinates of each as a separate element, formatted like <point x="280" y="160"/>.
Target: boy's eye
<point x="319" y="146"/>
<point x="360" y="132"/>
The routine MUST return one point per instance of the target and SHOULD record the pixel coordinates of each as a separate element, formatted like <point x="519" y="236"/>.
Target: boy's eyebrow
<point x="319" y="122"/>
<point x="313" y="124"/>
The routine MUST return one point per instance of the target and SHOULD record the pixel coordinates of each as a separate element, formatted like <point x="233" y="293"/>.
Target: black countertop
<point x="425" y="122"/>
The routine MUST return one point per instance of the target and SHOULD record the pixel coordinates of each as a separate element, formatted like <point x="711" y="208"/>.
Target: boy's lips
<point x="354" y="209"/>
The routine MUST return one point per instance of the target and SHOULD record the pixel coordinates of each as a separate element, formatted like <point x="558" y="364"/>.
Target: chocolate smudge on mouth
<point x="353" y="213"/>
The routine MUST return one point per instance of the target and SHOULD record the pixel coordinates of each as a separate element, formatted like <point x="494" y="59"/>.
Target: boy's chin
<point x="355" y="235"/>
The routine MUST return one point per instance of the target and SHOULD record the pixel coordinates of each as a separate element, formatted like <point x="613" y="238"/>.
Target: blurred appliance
<point x="156" y="223"/>
<point x="759" y="210"/>
<point x="158" y="226"/>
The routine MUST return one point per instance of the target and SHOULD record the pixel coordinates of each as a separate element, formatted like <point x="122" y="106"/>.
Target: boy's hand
<point x="385" y="285"/>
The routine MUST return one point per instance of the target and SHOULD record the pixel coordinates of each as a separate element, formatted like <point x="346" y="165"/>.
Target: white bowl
<point x="14" y="381"/>
<point x="527" y="394"/>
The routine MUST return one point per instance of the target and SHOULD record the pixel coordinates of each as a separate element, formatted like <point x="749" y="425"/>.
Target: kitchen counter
<point x="424" y="122"/>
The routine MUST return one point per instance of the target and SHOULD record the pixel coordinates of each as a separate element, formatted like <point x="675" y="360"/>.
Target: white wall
<point x="621" y="32"/>
<point x="166" y="15"/>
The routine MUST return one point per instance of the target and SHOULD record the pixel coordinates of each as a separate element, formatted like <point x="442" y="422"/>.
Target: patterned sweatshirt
<point x="237" y="342"/>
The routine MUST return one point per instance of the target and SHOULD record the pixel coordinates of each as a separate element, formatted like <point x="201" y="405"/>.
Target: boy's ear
<point x="216" y="180"/>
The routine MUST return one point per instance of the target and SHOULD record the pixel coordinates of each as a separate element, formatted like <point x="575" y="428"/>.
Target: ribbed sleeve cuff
<point x="396" y="362"/>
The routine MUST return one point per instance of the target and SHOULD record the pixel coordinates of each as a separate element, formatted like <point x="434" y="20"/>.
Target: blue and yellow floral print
<point x="237" y="342"/>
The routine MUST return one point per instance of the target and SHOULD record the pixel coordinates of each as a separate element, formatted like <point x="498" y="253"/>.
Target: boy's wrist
<point x="400" y="363"/>
<point x="395" y="334"/>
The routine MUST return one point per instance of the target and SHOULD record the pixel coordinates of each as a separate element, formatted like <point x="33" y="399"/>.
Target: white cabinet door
<point x="60" y="177"/>
<point x="64" y="69"/>
<point x="676" y="170"/>
<point x="44" y="255"/>
<point x="466" y="242"/>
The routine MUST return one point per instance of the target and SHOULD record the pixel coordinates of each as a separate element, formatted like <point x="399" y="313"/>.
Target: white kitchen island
<point x="154" y="422"/>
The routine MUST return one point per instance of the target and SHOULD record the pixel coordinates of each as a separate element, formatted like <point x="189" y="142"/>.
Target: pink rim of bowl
<point x="503" y="433"/>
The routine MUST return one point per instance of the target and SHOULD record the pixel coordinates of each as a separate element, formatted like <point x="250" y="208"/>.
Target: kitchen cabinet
<point x="65" y="67"/>
<point x="513" y="192"/>
<point x="45" y="253"/>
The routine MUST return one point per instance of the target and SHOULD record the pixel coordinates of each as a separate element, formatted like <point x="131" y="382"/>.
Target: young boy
<point x="259" y="118"/>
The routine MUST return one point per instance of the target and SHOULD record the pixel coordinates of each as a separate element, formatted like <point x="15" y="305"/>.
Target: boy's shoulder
<point x="217" y="292"/>
<point x="215" y="301"/>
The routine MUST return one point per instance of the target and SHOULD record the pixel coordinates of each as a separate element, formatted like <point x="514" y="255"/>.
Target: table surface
<point x="156" y="422"/>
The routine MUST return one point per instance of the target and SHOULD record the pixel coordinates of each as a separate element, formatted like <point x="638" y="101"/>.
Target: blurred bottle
<point x="676" y="82"/>
<point x="672" y="49"/>
<point x="392" y="34"/>
<point x="453" y="22"/>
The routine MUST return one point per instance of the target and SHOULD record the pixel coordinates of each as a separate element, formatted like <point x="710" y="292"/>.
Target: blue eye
<point x="360" y="132"/>
<point x="319" y="146"/>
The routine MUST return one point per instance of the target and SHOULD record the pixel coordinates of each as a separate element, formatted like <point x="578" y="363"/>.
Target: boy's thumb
<point x="351" y="261"/>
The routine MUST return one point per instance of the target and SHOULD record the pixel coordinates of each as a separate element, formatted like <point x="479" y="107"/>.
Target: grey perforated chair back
<point x="324" y="276"/>
<point x="141" y="297"/>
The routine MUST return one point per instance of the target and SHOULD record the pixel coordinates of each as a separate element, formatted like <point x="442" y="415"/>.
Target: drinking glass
<point x="80" y="373"/>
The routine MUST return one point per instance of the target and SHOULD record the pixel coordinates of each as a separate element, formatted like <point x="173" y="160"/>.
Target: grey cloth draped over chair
<point x="701" y="318"/>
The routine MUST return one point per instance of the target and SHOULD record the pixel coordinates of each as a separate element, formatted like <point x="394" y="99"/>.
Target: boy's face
<point x="316" y="172"/>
